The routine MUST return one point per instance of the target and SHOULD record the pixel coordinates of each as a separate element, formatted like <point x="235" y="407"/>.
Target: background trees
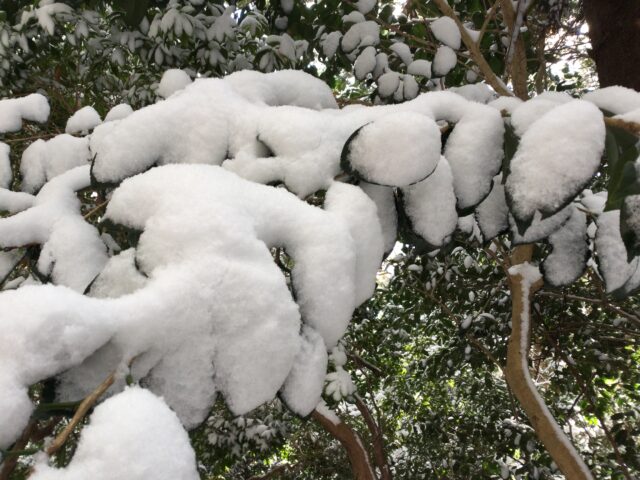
<point x="435" y="313"/>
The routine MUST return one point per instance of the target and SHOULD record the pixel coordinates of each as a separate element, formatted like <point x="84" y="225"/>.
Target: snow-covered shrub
<point x="177" y="285"/>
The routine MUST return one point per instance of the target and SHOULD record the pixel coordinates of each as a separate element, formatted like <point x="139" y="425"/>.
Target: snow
<point x="410" y="139"/>
<point x="8" y="260"/>
<point x="492" y="214"/>
<point x="365" y="6"/>
<point x="446" y="31"/>
<point x="303" y="387"/>
<point x="14" y="202"/>
<point x="618" y="100"/>
<point x="420" y="67"/>
<point x="527" y="113"/>
<point x="474" y="148"/>
<point x="540" y="228"/>
<point x="444" y="61"/>
<point x="556" y="158"/>
<point x="327" y="413"/>
<point x="611" y="252"/>
<point x="34" y="107"/>
<point x="172" y="81"/>
<point x="361" y="34"/>
<point x="44" y="160"/>
<point x="240" y="309"/>
<point x="83" y="120"/>
<point x="403" y="52"/>
<point x="570" y="249"/>
<point x="118" y="112"/>
<point x="6" y="175"/>
<point x="384" y="199"/>
<point x="365" y="63"/>
<point x="129" y="436"/>
<point x="507" y="104"/>
<point x="382" y="64"/>
<point x="479" y="92"/>
<point x="360" y="214"/>
<point x="410" y="87"/>
<point x="388" y="83"/>
<point x="431" y="206"/>
<point x="331" y="43"/>
<point x="72" y="252"/>
<point x="118" y="277"/>
<point x="353" y="17"/>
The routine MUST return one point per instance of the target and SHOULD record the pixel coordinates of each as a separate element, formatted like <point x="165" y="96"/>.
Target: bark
<point x="517" y="66"/>
<point x="614" y="29"/>
<point x="377" y="438"/>
<point x="519" y="379"/>
<point x="350" y="440"/>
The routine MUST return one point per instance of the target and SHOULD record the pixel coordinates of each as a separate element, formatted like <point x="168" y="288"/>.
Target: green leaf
<point x="134" y="10"/>
<point x="630" y="222"/>
<point x="511" y="141"/>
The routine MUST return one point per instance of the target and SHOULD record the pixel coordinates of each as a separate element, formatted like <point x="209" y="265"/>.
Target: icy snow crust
<point x="198" y="306"/>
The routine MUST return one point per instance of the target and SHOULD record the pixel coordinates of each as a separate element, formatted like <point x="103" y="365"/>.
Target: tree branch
<point x="84" y="407"/>
<point x="476" y="55"/>
<point x="378" y="440"/>
<point x="350" y="440"/>
<point x="519" y="378"/>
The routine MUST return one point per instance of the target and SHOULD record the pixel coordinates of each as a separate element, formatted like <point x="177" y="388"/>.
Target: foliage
<point x="437" y="328"/>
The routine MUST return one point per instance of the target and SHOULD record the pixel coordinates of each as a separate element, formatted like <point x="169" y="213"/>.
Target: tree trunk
<point x="614" y="28"/>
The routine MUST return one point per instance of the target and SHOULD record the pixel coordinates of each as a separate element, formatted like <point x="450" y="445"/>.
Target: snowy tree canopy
<point x="205" y="184"/>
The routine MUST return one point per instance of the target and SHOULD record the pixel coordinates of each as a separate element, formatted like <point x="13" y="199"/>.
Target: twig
<point x="490" y="14"/>
<point x="84" y="407"/>
<point x="11" y="460"/>
<point x="94" y="210"/>
<point x="603" y="302"/>
<point x="378" y="440"/>
<point x="361" y="362"/>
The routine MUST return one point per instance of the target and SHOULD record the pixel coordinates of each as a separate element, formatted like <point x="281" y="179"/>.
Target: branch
<point x="518" y="67"/>
<point x="378" y="440"/>
<point x="631" y="127"/>
<point x="362" y="363"/>
<point x="11" y="459"/>
<point x="519" y="378"/>
<point x="350" y="440"/>
<point x="490" y="14"/>
<point x="603" y="302"/>
<point x="491" y="78"/>
<point x="84" y="407"/>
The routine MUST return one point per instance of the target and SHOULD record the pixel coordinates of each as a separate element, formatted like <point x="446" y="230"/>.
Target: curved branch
<point x="378" y="441"/>
<point x="350" y="440"/>
<point x="523" y="285"/>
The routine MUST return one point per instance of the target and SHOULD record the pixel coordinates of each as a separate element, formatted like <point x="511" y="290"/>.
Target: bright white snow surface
<point x="446" y="31"/>
<point x="83" y="120"/>
<point x="34" y="107"/>
<point x="557" y="156"/>
<point x="131" y="436"/>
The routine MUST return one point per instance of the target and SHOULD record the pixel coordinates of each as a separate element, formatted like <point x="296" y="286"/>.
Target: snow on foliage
<point x="83" y="120"/>
<point x="34" y="107"/>
<point x="197" y="305"/>
<point x="548" y="171"/>
<point x="570" y="249"/>
<point x="446" y="31"/>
